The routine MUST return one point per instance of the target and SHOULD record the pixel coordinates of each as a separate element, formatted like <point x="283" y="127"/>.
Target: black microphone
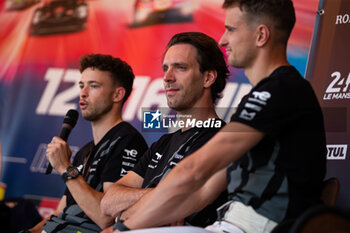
<point x="69" y="122"/>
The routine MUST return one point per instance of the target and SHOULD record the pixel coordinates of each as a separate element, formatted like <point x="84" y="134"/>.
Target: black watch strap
<point x="70" y="173"/>
<point x="119" y="225"/>
<point x="64" y="176"/>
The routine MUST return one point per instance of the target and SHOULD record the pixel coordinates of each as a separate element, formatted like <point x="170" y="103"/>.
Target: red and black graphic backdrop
<point x="40" y="46"/>
<point x="328" y="70"/>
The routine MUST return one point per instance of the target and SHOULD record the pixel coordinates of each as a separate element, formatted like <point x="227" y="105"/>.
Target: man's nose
<point x="223" y="41"/>
<point x="169" y="76"/>
<point x="83" y="92"/>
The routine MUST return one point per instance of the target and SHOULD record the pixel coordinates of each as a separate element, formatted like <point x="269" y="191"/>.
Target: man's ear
<point x="263" y="35"/>
<point x="118" y="94"/>
<point x="209" y="78"/>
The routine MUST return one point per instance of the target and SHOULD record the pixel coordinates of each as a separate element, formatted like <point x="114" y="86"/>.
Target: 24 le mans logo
<point x="339" y="88"/>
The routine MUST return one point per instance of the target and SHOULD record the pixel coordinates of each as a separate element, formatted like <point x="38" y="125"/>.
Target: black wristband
<point x="119" y="225"/>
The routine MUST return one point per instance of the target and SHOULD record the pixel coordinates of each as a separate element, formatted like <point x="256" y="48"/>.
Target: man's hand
<point x="178" y="223"/>
<point x="58" y="153"/>
<point x="108" y="230"/>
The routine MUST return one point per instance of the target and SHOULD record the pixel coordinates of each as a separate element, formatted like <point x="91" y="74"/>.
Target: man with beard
<point x="195" y="73"/>
<point x="106" y="83"/>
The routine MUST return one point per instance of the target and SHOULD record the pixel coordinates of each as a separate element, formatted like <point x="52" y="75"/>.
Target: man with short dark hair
<point x="195" y="73"/>
<point x="272" y="155"/>
<point x="106" y="82"/>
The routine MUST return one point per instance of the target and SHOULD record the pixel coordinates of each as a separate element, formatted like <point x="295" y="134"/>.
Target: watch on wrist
<point x="70" y="173"/>
<point x="119" y="225"/>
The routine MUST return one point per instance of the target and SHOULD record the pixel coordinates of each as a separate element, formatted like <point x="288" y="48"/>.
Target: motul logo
<point x="336" y="152"/>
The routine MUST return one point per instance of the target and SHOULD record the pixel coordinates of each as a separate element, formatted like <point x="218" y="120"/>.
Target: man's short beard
<point x="96" y="116"/>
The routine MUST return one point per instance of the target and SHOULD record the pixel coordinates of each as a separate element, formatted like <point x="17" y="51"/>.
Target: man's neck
<point x="103" y="125"/>
<point x="264" y="65"/>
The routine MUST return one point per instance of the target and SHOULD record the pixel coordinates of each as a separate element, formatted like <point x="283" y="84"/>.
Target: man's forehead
<point x="180" y="53"/>
<point x="233" y="14"/>
<point x="90" y="75"/>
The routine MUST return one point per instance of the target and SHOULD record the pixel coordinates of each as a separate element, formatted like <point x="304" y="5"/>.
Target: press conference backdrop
<point x="40" y="49"/>
<point x="328" y="70"/>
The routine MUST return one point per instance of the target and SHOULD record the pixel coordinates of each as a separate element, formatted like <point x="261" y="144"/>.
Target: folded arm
<point x="195" y="202"/>
<point x="188" y="177"/>
<point x="123" y="194"/>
